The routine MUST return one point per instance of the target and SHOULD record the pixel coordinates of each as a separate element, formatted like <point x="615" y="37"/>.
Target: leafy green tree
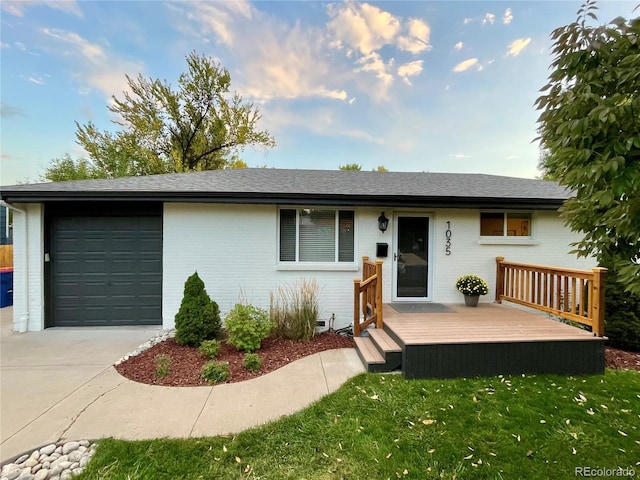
<point x="351" y="167"/>
<point x="590" y="126"/>
<point x="381" y="168"/>
<point x="543" y="159"/>
<point x="199" y="125"/>
<point x="66" y="168"/>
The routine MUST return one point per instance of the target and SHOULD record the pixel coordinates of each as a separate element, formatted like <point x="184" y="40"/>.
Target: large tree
<point x="199" y="125"/>
<point x="590" y="132"/>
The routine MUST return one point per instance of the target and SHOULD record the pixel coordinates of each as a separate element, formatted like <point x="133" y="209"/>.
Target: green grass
<point x="381" y="426"/>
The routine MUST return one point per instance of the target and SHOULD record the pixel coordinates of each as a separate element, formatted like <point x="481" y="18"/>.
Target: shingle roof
<point x="290" y="186"/>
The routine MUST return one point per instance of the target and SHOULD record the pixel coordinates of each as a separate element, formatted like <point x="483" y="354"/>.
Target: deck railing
<point x="572" y="294"/>
<point x="367" y="297"/>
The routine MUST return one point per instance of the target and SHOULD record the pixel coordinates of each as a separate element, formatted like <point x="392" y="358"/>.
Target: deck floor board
<point x="484" y="323"/>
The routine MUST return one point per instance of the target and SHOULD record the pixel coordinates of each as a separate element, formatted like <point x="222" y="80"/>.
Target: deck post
<point x="499" y="279"/>
<point x="356" y="307"/>
<point x="598" y="300"/>
<point x="379" y="322"/>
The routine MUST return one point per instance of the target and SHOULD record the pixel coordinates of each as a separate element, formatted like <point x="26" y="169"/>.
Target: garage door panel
<point x="106" y="271"/>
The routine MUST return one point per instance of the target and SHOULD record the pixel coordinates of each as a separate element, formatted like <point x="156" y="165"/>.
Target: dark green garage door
<point x="105" y="271"/>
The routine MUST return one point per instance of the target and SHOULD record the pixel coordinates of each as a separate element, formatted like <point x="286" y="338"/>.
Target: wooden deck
<point x="490" y="340"/>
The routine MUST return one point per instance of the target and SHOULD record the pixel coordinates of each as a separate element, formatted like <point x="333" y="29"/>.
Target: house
<point x="118" y="251"/>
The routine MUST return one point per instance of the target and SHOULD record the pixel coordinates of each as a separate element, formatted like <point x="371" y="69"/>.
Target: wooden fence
<point x="367" y="297"/>
<point x="6" y="256"/>
<point x="576" y="295"/>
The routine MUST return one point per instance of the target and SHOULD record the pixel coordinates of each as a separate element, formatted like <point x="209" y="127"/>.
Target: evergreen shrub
<point x="199" y="317"/>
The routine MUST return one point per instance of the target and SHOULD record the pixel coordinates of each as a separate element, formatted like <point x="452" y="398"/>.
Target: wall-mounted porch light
<point x="383" y="222"/>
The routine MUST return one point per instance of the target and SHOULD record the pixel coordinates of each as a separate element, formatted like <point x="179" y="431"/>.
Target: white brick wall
<point x="234" y="249"/>
<point x="35" y="270"/>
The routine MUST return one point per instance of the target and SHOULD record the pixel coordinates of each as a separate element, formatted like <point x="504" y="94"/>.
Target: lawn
<point x="382" y="426"/>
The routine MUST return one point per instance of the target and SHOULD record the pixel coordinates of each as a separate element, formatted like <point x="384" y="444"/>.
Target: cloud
<point x="366" y="28"/>
<point x="489" y="18"/>
<point x="467" y="21"/>
<point x="458" y="46"/>
<point x="4" y="45"/>
<point x="517" y="46"/>
<point x="18" y="8"/>
<point x="362" y="26"/>
<point x="322" y="121"/>
<point x="417" y="40"/>
<point x="91" y="64"/>
<point x="352" y="100"/>
<point x="7" y="111"/>
<point x="363" y="31"/>
<point x="37" y="81"/>
<point x="280" y="59"/>
<point x="276" y="60"/>
<point x="410" y="69"/>
<point x="218" y="18"/>
<point x="507" y="17"/>
<point x="459" y="156"/>
<point x="374" y="63"/>
<point x="88" y="50"/>
<point x="466" y="65"/>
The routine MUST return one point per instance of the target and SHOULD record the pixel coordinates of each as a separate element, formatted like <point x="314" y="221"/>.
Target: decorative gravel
<point x="159" y="338"/>
<point x="57" y="461"/>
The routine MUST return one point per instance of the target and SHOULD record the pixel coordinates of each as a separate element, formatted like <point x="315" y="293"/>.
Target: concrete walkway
<point x="59" y="384"/>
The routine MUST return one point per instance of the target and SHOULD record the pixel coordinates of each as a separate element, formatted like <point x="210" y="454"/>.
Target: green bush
<point x="622" y="315"/>
<point x="210" y="348"/>
<point x="247" y="326"/>
<point x="163" y="364"/>
<point x="198" y="318"/>
<point x="252" y="361"/>
<point x="294" y="310"/>
<point x="215" y="372"/>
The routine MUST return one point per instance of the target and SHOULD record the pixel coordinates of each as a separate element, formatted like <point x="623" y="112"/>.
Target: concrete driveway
<point x="59" y="384"/>
<point x="40" y="370"/>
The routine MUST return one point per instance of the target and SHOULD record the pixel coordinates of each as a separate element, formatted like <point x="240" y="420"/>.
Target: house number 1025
<point x="447" y="243"/>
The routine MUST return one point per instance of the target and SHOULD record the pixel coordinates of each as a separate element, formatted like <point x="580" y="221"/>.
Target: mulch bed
<point x="186" y="362"/>
<point x="616" y="358"/>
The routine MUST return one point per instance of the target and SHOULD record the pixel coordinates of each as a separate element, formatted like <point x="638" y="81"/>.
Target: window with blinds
<point x="316" y="235"/>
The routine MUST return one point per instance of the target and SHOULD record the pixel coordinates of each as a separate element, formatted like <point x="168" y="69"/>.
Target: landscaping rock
<point x="41" y="474"/>
<point x="48" y="450"/>
<point x="11" y="474"/>
<point x="52" y="462"/>
<point x="69" y="447"/>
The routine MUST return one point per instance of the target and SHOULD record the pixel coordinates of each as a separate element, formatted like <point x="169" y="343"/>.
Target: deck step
<point x="384" y="341"/>
<point x="368" y="351"/>
<point x="374" y="357"/>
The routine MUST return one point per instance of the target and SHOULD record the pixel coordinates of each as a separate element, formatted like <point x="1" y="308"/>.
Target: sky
<point x="445" y="86"/>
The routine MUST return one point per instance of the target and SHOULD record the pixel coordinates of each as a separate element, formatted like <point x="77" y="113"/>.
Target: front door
<point x="411" y="258"/>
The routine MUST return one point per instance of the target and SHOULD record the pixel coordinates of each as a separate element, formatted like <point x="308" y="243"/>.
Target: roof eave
<point x="285" y="199"/>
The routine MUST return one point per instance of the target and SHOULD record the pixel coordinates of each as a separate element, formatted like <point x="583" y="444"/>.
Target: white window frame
<point x="335" y="265"/>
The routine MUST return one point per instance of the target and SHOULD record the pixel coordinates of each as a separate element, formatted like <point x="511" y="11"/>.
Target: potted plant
<point x="471" y="286"/>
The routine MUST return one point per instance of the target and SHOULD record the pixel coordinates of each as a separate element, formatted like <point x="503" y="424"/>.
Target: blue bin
<point x="6" y="287"/>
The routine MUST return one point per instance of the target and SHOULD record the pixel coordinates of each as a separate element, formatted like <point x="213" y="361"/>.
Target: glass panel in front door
<point x="411" y="260"/>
